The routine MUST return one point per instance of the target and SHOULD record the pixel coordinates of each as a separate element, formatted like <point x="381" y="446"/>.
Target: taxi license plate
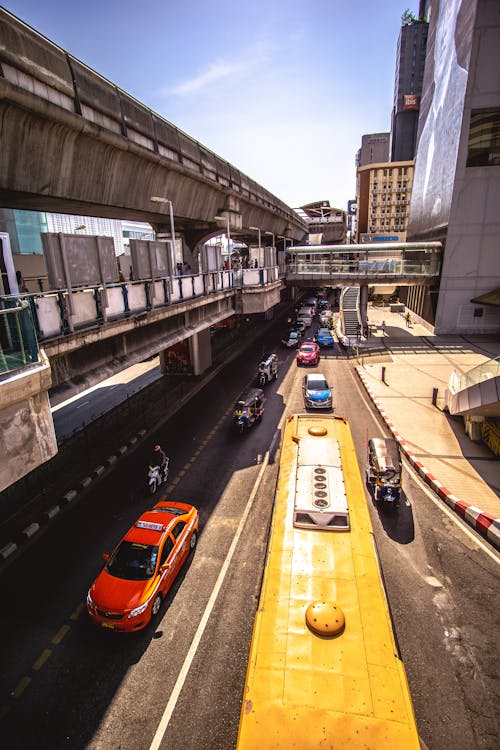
<point x="108" y="625"/>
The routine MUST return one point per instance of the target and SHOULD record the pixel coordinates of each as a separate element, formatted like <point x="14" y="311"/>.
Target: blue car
<point x="316" y="392"/>
<point x="324" y="337"/>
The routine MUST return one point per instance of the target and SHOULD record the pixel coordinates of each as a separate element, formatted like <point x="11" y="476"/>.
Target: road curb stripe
<point x="487" y="526"/>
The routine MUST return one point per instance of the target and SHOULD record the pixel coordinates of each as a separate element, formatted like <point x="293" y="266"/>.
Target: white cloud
<point x="258" y="54"/>
<point x="215" y="72"/>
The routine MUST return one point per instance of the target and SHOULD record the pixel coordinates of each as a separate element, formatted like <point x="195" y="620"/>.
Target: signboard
<point x="411" y="101"/>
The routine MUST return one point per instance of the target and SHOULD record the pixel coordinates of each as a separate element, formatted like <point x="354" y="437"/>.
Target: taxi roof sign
<point x="149" y="525"/>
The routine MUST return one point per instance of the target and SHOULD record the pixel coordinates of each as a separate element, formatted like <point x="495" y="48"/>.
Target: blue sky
<point x="282" y="89"/>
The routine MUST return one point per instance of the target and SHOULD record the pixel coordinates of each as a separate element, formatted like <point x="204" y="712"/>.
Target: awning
<point x="490" y="298"/>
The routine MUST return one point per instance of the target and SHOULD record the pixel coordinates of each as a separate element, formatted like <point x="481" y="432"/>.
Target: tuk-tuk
<point x="268" y="370"/>
<point x="383" y="469"/>
<point x="249" y="409"/>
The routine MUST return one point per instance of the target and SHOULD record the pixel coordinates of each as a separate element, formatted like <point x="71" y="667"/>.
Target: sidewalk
<point x="463" y="473"/>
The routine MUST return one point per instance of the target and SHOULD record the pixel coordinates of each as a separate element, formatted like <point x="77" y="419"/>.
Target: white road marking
<point x="169" y="709"/>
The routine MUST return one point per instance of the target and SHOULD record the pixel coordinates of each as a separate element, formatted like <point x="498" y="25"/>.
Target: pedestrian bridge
<point x="374" y="264"/>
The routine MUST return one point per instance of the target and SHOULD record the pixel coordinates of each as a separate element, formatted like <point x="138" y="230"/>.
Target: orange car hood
<point x="119" y="594"/>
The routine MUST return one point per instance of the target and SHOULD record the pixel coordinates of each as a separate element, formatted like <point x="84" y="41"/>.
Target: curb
<point x="485" y="524"/>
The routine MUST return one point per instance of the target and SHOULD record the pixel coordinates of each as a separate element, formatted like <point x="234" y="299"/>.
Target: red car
<point x="308" y="354"/>
<point x="129" y="590"/>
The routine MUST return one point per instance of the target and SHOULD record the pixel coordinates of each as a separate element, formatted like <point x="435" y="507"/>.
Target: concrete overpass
<point x="73" y="142"/>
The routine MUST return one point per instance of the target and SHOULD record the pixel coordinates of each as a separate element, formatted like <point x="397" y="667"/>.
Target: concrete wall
<point x="27" y="436"/>
<point x="451" y="202"/>
<point x="472" y="257"/>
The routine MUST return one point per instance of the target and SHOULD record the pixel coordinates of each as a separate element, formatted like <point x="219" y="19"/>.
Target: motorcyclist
<point x="159" y="458"/>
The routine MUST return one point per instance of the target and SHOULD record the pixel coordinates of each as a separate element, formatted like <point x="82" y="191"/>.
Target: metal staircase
<point x="349" y="309"/>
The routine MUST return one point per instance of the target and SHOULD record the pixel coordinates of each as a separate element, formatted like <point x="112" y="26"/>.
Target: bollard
<point x="434" y="396"/>
<point x="383" y="375"/>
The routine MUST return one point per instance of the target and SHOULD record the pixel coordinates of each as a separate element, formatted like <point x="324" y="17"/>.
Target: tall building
<point x="456" y="186"/>
<point x="374" y="149"/>
<point x="409" y="75"/>
<point x="383" y="200"/>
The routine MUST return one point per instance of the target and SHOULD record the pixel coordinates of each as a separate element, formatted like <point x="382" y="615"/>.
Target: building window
<point x="484" y="138"/>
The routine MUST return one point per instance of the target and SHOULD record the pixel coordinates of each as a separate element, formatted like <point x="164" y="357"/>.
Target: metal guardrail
<point x="58" y="313"/>
<point x="18" y="342"/>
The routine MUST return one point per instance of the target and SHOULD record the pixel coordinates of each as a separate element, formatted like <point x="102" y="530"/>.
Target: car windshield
<point x="307" y="348"/>
<point x="324" y="332"/>
<point x="318" y="384"/>
<point x="133" y="561"/>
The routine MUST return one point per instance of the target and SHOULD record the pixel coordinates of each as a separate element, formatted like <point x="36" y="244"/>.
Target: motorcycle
<point x="249" y="409"/>
<point x="157" y="475"/>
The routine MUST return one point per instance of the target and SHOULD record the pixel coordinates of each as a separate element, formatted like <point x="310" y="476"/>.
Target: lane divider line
<point x="38" y="664"/>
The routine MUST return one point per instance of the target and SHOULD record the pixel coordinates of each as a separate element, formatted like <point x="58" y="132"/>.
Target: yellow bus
<point x="324" y="669"/>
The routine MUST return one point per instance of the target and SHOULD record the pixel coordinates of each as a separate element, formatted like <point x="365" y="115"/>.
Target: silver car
<point x="316" y="391"/>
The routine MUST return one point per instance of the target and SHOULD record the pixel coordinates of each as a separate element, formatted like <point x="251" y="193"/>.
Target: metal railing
<point x="479" y="374"/>
<point x="18" y="343"/>
<point x="61" y="312"/>
<point x="366" y="268"/>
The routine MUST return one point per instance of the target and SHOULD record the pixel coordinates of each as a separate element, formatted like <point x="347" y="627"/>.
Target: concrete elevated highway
<point x="73" y="142"/>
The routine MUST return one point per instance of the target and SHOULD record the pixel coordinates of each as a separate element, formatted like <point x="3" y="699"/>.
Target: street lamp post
<point x="272" y="235"/>
<point x="226" y="219"/>
<point x="156" y="199"/>
<point x="257" y="230"/>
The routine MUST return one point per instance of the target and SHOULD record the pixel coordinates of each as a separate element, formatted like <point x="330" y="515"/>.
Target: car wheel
<point x="192" y="541"/>
<point x="156" y="605"/>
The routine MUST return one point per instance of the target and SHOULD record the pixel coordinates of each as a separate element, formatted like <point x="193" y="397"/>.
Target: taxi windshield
<point x="133" y="561"/>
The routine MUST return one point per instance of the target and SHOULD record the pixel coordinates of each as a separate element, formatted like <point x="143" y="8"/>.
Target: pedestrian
<point x="383" y="328"/>
<point x="408" y="319"/>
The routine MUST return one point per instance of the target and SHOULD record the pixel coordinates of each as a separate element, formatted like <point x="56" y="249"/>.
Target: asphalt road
<point x="71" y="415"/>
<point x="179" y="683"/>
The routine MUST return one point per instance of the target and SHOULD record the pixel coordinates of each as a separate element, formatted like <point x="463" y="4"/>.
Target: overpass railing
<point x="18" y="343"/>
<point x="365" y="268"/>
<point x="62" y="312"/>
<point x="405" y="259"/>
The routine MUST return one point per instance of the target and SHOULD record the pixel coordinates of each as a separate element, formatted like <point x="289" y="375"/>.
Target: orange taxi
<point x="129" y="590"/>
